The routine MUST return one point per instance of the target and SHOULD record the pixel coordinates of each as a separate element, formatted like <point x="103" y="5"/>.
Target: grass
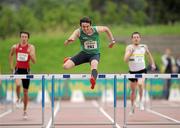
<point x="153" y="30"/>
<point x="51" y="50"/>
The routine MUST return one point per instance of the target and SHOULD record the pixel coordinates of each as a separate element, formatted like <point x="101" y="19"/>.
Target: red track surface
<point x="91" y="112"/>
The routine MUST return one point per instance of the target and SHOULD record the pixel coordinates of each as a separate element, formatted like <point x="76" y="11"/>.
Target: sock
<point x="94" y="73"/>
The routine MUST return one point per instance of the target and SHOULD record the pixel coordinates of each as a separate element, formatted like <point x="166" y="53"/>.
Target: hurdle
<point x="84" y="76"/>
<point x="29" y="76"/>
<point x="155" y="76"/>
<point x="52" y="77"/>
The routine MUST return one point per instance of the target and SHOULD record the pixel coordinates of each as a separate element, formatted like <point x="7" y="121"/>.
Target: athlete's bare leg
<point x="133" y="92"/>
<point x="94" y="64"/>
<point x="133" y="86"/>
<point x="18" y="88"/>
<point x="25" y="101"/>
<point x="68" y="64"/>
<point x="141" y="89"/>
<point x="94" y="73"/>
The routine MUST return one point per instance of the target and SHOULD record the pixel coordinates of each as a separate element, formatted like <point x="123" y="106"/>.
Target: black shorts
<point x="25" y="82"/>
<point x="83" y="57"/>
<point x="136" y="72"/>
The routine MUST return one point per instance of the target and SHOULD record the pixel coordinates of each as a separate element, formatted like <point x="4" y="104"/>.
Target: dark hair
<point x="135" y="33"/>
<point x="24" y="32"/>
<point x="85" y="20"/>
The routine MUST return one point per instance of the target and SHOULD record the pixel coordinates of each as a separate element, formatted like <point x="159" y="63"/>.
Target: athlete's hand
<point x="131" y="50"/>
<point x="68" y="41"/>
<point x="112" y="44"/>
<point x="12" y="69"/>
<point x="153" y="67"/>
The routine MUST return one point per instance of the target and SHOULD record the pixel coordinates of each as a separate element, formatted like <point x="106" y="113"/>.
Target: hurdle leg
<point x="115" y="99"/>
<point x="52" y="102"/>
<point x="43" y="100"/>
<point x="125" y="102"/>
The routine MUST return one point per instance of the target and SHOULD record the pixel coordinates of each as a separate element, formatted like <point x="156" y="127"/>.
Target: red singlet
<point x="22" y="57"/>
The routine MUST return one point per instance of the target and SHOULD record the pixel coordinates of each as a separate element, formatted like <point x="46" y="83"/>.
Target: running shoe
<point x="25" y="116"/>
<point x="93" y="82"/>
<point x="66" y="59"/>
<point x="141" y="106"/>
<point x="132" y="110"/>
<point x="19" y="103"/>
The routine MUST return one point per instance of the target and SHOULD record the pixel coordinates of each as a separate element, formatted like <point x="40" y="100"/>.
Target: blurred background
<point x="50" y="23"/>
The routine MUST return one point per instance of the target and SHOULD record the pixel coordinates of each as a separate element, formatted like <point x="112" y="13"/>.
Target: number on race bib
<point x="22" y="57"/>
<point x="90" y="45"/>
<point x="139" y="59"/>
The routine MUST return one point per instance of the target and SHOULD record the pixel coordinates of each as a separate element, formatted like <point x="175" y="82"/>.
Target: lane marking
<point x="162" y="115"/>
<point x="55" y="112"/>
<point x="5" y="113"/>
<point x="105" y="113"/>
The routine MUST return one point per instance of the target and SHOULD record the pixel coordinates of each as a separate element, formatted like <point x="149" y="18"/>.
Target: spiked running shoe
<point x="93" y="82"/>
<point x="66" y="59"/>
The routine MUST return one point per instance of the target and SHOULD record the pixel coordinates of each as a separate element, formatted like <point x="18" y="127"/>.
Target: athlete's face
<point x="24" y="37"/>
<point x="86" y="27"/>
<point x="136" y="39"/>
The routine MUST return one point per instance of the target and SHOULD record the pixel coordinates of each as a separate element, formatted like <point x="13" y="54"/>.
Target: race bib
<point x="22" y="57"/>
<point x="139" y="59"/>
<point x="90" y="44"/>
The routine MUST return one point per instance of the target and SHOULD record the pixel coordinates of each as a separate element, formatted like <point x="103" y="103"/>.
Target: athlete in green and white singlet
<point x="90" y="45"/>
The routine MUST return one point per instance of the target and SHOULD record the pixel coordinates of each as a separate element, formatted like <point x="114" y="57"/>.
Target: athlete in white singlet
<point x="135" y="57"/>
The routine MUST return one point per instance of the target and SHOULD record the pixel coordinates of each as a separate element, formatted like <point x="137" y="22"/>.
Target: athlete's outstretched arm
<point x="129" y="51"/>
<point x="33" y="54"/>
<point x="73" y="37"/>
<point x="108" y="32"/>
<point x="150" y="58"/>
<point x="11" y="55"/>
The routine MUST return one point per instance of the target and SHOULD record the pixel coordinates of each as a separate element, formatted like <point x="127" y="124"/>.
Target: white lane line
<point x="105" y="113"/>
<point x="162" y="115"/>
<point x="5" y="113"/>
<point x="55" y="112"/>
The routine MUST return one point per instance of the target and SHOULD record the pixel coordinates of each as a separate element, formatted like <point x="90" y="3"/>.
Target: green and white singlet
<point x="90" y="43"/>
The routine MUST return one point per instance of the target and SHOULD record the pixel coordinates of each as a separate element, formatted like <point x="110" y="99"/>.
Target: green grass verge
<point x="51" y="50"/>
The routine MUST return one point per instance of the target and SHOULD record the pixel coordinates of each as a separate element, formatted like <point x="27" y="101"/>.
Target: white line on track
<point x="55" y="112"/>
<point x="105" y="113"/>
<point x="162" y="115"/>
<point x="5" y="113"/>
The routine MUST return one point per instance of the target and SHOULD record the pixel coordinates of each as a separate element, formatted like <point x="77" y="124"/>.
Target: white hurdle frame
<point x="28" y="76"/>
<point x="100" y="76"/>
<point x="85" y="76"/>
<point x="156" y="76"/>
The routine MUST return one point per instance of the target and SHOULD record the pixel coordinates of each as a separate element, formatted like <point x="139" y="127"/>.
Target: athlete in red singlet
<point x="24" y="53"/>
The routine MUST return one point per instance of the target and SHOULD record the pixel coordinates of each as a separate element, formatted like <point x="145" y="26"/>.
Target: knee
<point x="25" y="92"/>
<point x="65" y="66"/>
<point x="68" y="65"/>
<point x="133" y="92"/>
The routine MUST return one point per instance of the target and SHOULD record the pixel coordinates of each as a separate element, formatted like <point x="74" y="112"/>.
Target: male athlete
<point x="90" y="43"/>
<point x="24" y="52"/>
<point x="135" y="57"/>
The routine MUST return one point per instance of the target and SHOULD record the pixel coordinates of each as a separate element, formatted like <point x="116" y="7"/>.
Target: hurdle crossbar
<point x="86" y="76"/>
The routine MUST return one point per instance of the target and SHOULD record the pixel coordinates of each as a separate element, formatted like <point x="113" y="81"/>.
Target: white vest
<point x="137" y="59"/>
